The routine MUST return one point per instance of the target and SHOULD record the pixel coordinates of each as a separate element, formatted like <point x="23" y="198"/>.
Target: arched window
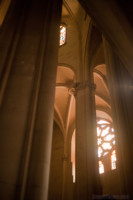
<point x="106" y="146"/>
<point x="62" y="34"/>
<point x="101" y="167"/>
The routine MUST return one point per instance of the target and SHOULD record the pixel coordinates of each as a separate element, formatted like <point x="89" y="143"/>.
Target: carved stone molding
<point x="72" y="91"/>
<point x="83" y="85"/>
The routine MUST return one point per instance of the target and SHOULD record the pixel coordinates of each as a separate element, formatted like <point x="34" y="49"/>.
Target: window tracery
<point x="106" y="144"/>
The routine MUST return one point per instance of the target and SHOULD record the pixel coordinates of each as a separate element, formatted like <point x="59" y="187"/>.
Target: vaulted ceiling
<point x="70" y="63"/>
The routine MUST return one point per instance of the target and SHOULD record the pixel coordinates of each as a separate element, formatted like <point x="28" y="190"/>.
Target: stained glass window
<point x="62" y="34"/>
<point x="106" y="144"/>
<point x="113" y="160"/>
<point x="101" y="167"/>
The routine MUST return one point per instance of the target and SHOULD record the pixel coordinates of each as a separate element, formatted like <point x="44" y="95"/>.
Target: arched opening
<point x="106" y="140"/>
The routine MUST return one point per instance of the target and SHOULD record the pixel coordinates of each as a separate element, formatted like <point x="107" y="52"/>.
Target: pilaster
<point x="86" y="144"/>
<point x="120" y="85"/>
<point x="29" y="51"/>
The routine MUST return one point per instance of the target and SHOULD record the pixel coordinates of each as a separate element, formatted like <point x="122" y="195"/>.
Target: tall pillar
<point x="28" y="48"/>
<point x="56" y="171"/>
<point x="87" y="175"/>
<point x="108" y="17"/>
<point x="67" y="165"/>
<point x="39" y="167"/>
<point x="121" y="95"/>
<point x="67" y="192"/>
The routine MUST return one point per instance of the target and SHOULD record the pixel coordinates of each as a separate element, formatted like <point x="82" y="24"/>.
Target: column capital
<point x="80" y="86"/>
<point x="72" y="90"/>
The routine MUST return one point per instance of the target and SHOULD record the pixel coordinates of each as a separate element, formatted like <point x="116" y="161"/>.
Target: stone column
<point x="39" y="166"/>
<point x="29" y="50"/>
<point x="67" y="191"/>
<point x="121" y="95"/>
<point x="87" y="174"/>
<point x="109" y="18"/>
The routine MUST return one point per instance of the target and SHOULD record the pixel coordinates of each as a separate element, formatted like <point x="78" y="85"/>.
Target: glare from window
<point x="62" y="35"/>
<point x="113" y="160"/>
<point x="100" y="151"/>
<point x="101" y="167"/>
<point x="106" y="144"/>
<point x="102" y="122"/>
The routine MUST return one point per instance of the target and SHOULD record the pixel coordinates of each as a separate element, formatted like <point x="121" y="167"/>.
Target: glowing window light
<point x="105" y="131"/>
<point x="113" y="142"/>
<point x="106" y="145"/>
<point x="112" y="129"/>
<point x="113" y="160"/>
<point x="100" y="151"/>
<point x="98" y="131"/>
<point x="102" y="122"/>
<point x="102" y="126"/>
<point x="99" y="141"/>
<point x="106" y="142"/>
<point x="62" y="34"/>
<point x="101" y="167"/>
<point x="109" y="137"/>
<point x="105" y="153"/>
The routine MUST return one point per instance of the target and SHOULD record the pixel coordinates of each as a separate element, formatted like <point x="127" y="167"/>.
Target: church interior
<point x="66" y="99"/>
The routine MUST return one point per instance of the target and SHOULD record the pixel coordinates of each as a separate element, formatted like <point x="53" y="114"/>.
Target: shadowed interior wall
<point x="56" y="171"/>
<point x="110" y="183"/>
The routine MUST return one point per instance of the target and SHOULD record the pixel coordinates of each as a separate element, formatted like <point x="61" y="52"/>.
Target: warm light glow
<point x="62" y="34"/>
<point x="98" y="131"/>
<point x="73" y="155"/>
<point x="105" y="131"/>
<point x="101" y="167"/>
<point x="105" y="153"/>
<point x="113" y="160"/>
<point x="105" y="137"/>
<point x="99" y="141"/>
<point x="100" y="151"/>
<point x="106" y="143"/>
<point x="113" y="142"/>
<point x="112" y="130"/>
<point x="109" y="137"/>
<point x="102" y="122"/>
